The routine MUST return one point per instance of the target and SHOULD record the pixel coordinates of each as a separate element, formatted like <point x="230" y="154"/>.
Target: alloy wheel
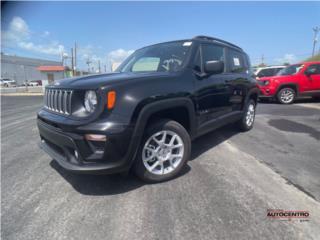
<point x="163" y="152"/>
<point x="250" y="115"/>
<point x="287" y="96"/>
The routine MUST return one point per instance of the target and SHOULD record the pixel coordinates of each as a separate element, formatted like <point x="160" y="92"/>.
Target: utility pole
<point x="88" y="63"/>
<point x="62" y="58"/>
<point x="75" y="57"/>
<point x="99" y="66"/>
<point x="72" y="67"/>
<point x="316" y="30"/>
<point x="262" y="59"/>
<point x="105" y="68"/>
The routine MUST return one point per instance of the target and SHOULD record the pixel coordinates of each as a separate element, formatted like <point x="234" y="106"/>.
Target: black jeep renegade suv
<point x="144" y="115"/>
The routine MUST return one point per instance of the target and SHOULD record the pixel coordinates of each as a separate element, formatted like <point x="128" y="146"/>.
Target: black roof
<point x="213" y="39"/>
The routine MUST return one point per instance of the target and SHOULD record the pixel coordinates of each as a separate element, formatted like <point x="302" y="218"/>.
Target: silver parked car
<point x="6" y="82"/>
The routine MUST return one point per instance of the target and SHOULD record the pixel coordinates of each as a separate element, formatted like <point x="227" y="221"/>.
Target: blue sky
<point x="109" y="31"/>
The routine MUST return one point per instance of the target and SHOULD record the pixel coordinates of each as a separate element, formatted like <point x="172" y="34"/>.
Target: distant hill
<point x="314" y="58"/>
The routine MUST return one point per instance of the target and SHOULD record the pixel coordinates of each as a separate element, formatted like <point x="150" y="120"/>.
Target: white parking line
<point x="17" y="122"/>
<point x="309" y="105"/>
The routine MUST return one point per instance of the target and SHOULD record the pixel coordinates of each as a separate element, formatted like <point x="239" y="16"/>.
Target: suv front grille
<point x="58" y="100"/>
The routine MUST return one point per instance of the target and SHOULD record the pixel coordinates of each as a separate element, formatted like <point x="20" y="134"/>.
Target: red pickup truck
<point x="296" y="80"/>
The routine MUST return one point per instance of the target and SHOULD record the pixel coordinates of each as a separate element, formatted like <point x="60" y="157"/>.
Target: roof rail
<point x="216" y="39"/>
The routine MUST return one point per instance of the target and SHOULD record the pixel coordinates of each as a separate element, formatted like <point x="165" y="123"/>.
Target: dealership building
<point x="23" y="69"/>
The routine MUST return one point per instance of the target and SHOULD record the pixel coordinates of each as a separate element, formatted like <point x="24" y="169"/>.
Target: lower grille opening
<point x="48" y="122"/>
<point x="54" y="146"/>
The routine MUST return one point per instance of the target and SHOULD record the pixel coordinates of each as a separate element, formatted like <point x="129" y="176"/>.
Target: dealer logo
<point x="288" y="214"/>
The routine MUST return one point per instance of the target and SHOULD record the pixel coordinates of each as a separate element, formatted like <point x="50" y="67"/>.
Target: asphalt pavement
<point x="223" y="193"/>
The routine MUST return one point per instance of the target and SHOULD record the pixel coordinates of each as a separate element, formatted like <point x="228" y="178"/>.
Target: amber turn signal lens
<point x="111" y="99"/>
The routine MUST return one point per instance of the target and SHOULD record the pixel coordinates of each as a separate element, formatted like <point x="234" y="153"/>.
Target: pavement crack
<point x="289" y="182"/>
<point x="299" y="188"/>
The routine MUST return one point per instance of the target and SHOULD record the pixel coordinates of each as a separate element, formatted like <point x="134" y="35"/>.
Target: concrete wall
<point x="22" y="69"/>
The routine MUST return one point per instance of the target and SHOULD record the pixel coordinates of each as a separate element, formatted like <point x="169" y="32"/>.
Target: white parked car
<point x="33" y="83"/>
<point x="6" y="82"/>
<point x="267" y="71"/>
<point x="30" y="83"/>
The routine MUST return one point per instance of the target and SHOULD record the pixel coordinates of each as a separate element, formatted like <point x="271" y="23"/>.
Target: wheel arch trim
<point x="146" y="112"/>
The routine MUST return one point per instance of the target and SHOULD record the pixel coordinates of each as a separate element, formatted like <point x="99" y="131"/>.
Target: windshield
<point x="164" y="57"/>
<point x="290" y="70"/>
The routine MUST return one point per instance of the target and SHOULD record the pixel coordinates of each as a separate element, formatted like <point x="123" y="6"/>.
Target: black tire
<point x="289" y="91"/>
<point x="316" y="98"/>
<point x="243" y="124"/>
<point x="264" y="100"/>
<point x="139" y="167"/>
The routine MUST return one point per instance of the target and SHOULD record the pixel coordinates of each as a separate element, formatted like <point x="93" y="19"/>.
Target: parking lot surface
<point x="224" y="193"/>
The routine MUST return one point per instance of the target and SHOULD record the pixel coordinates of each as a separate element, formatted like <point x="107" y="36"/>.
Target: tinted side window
<point x="266" y="72"/>
<point x="236" y="62"/>
<point x="277" y="70"/>
<point x="316" y="68"/>
<point x="212" y="53"/>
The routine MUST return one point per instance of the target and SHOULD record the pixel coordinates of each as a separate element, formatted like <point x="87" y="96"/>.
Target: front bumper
<point x="76" y="154"/>
<point x="267" y="91"/>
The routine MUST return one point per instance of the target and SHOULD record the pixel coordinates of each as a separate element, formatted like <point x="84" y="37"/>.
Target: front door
<point x="212" y="91"/>
<point x="312" y="81"/>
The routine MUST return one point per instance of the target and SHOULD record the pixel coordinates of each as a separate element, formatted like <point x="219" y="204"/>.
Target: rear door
<point x="238" y="77"/>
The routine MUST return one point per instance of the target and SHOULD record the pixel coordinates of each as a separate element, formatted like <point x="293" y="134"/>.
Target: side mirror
<point x="310" y="71"/>
<point x="214" y="67"/>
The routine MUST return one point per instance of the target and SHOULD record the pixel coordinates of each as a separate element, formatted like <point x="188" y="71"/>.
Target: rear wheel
<point x="286" y="95"/>
<point x="164" y="151"/>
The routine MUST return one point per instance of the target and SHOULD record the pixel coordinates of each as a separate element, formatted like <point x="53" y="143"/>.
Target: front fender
<point x="141" y="115"/>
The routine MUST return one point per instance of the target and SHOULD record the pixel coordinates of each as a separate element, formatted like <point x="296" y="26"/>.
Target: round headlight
<point x="90" y="101"/>
<point x="267" y="82"/>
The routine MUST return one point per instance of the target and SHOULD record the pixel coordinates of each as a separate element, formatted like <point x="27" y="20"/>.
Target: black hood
<point x="96" y="81"/>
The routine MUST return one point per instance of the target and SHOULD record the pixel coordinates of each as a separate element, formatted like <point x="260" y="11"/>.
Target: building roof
<point x="51" y="68"/>
<point x="27" y="61"/>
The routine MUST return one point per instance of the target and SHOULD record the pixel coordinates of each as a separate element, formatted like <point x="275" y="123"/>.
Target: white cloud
<point x="50" y="49"/>
<point x="19" y="35"/>
<point x="45" y="34"/>
<point x="119" y="55"/>
<point x="18" y="30"/>
<point x="287" y="58"/>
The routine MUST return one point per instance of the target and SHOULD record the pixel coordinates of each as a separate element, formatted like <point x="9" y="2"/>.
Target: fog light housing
<point x="95" y="137"/>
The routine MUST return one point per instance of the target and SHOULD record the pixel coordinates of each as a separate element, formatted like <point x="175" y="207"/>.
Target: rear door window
<point x="236" y="62"/>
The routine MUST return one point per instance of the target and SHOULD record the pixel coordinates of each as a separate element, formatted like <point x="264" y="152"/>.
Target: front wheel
<point x="163" y="153"/>
<point x="286" y="95"/>
<point x="247" y="120"/>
